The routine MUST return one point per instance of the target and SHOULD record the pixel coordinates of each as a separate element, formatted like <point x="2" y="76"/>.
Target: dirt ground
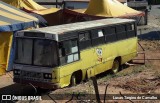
<point x="138" y="78"/>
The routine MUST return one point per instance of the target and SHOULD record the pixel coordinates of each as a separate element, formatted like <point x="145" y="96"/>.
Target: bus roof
<point x="60" y="29"/>
<point x="80" y="26"/>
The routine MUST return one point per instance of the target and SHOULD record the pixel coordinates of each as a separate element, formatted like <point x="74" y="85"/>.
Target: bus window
<point x="120" y="28"/>
<point x="84" y="36"/>
<point x="110" y="34"/>
<point x="97" y="37"/>
<point x="109" y="30"/>
<point x="45" y="53"/>
<point x="130" y="27"/>
<point x="100" y="33"/>
<point x="84" y="40"/>
<point x="68" y="51"/>
<point x="121" y="32"/>
<point x="39" y="52"/>
<point x="130" y="30"/>
<point x="24" y="51"/>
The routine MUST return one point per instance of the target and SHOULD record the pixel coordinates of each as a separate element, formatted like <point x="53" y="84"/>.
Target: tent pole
<point x="56" y="3"/>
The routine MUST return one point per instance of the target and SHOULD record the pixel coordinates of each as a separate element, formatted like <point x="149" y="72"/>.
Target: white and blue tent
<point x="11" y="20"/>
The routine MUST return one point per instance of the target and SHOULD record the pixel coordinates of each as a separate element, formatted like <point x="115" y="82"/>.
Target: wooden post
<point x="96" y="89"/>
<point x="56" y="3"/>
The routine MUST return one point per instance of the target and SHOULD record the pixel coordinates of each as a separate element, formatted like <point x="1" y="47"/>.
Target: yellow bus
<point x="63" y="55"/>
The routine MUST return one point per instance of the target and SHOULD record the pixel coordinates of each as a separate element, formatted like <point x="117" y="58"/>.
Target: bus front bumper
<point x="44" y="85"/>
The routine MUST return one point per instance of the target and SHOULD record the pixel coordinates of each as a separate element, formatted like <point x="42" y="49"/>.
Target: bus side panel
<point x="98" y="63"/>
<point x="132" y="50"/>
<point x="55" y="75"/>
<point x="122" y="49"/>
<point x="126" y="49"/>
<point x="103" y="62"/>
<point x="87" y="58"/>
<point x="111" y="54"/>
<point x="67" y="70"/>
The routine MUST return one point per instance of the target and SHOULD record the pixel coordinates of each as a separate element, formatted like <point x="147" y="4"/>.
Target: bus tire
<point x="115" y="66"/>
<point x="76" y="78"/>
<point x="73" y="80"/>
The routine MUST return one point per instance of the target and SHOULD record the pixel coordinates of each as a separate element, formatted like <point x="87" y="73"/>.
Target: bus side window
<point x="110" y="34"/>
<point x="121" y="32"/>
<point x="97" y="37"/>
<point x="84" y="40"/>
<point x="130" y="30"/>
<point x="68" y="51"/>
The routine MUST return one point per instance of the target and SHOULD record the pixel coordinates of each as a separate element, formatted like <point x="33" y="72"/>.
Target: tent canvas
<point x="110" y="8"/>
<point x="30" y="5"/>
<point x="5" y="44"/>
<point x="99" y="9"/>
<point x="11" y="20"/>
<point x="27" y="4"/>
<point x="107" y="8"/>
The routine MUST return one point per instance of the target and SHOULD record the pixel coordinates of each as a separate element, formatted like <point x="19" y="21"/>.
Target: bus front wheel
<point x="116" y="66"/>
<point x="73" y="80"/>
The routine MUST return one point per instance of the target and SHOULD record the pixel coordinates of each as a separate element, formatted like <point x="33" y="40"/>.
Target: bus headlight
<point x="47" y="76"/>
<point x="17" y="72"/>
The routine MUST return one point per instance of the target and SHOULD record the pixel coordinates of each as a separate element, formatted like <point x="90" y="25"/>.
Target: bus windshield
<point x="40" y="52"/>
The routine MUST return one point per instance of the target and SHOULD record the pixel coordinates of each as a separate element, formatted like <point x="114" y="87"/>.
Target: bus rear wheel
<point x="116" y="66"/>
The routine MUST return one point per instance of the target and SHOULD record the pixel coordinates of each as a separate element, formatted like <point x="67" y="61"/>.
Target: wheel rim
<point x="73" y="80"/>
<point x="115" y="67"/>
